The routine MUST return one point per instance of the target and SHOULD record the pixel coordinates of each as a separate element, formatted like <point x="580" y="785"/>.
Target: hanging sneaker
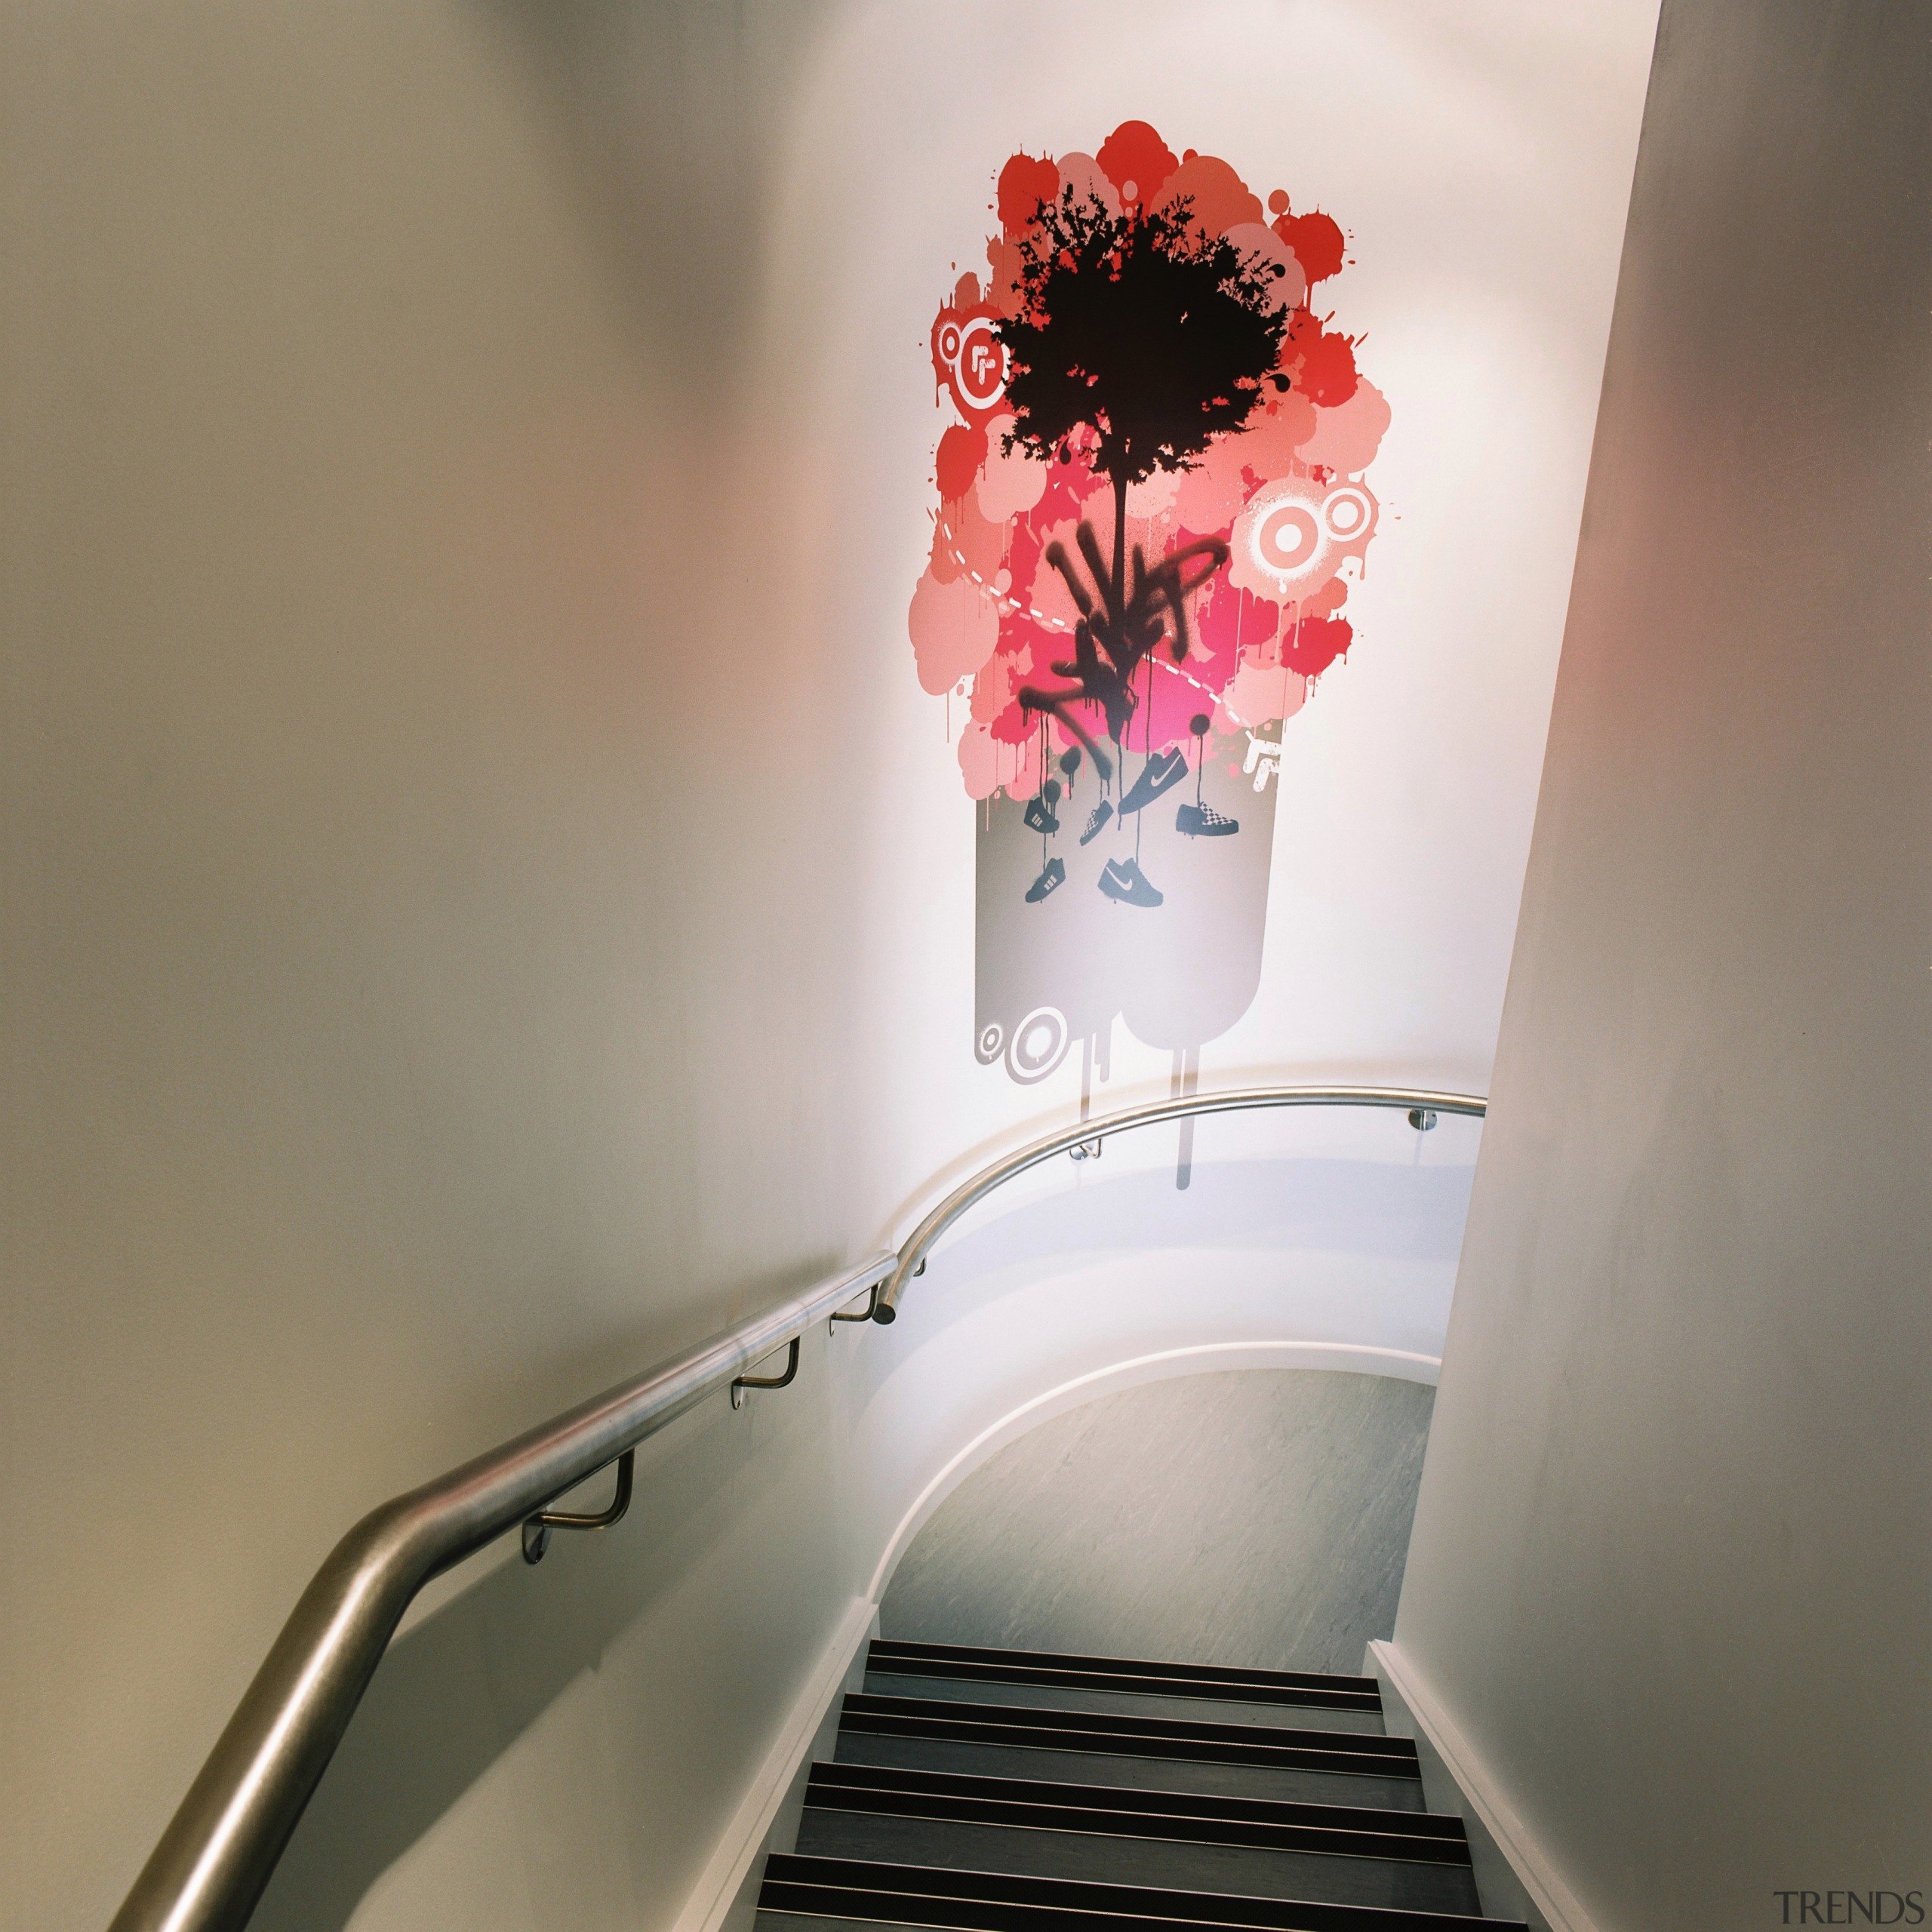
<point x="1040" y="814"/>
<point x="1205" y="822"/>
<point x="1101" y="814"/>
<point x="1123" y="880"/>
<point x="1161" y="772"/>
<point x="1050" y="879"/>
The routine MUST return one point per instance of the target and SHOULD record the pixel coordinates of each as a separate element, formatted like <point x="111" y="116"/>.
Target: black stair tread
<point x="1176" y="1865"/>
<point x="869" y="1890"/>
<point x="1396" y="1789"/>
<point x="1282" y="1824"/>
<point x="1119" y="1735"/>
<point x="1313" y="1710"/>
<point x="898" y="1657"/>
<point x="769" y="1921"/>
<point x="1123" y="1724"/>
<point x="1234" y="1674"/>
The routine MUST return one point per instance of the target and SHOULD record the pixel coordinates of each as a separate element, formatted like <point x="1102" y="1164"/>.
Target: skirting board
<point x="725" y="1897"/>
<point x="1515" y="1875"/>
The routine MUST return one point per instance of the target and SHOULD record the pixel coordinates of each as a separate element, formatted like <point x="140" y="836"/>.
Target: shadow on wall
<point x="455" y="1693"/>
<point x="668" y="116"/>
<point x="1345" y="1207"/>
<point x="648" y="1611"/>
<point x="1259" y="1519"/>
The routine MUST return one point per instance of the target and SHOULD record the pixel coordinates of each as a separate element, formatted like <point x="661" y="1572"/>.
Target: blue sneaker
<point x="1124" y="881"/>
<point x="1161" y="772"/>
<point x="1205" y="822"/>
<point x="1051" y="878"/>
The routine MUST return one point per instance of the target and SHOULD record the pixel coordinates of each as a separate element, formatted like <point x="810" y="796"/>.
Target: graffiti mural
<point x="1152" y="506"/>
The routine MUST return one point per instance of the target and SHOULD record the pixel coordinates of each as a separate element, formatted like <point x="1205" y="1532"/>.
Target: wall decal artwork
<point x="1151" y="505"/>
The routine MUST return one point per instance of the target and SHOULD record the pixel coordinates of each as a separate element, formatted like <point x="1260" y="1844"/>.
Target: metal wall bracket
<point x="745" y="1382"/>
<point x="1421" y="1118"/>
<point x="872" y="1302"/>
<point x="537" y="1529"/>
<point x="1087" y="1150"/>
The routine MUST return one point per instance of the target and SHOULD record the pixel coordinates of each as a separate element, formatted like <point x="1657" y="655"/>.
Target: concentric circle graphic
<point x="978" y="363"/>
<point x="986" y="1048"/>
<point x="1349" y="513"/>
<point x="1038" y="1045"/>
<point x="1287" y="537"/>
<point x="1294" y="536"/>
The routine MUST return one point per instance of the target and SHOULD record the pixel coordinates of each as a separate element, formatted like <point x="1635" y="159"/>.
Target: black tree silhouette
<point x="1156" y="338"/>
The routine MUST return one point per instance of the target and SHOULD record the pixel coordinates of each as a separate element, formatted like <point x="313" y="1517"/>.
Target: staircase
<point x="1020" y="1791"/>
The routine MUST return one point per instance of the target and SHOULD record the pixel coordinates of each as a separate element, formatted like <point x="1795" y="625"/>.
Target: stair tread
<point x="880" y="1891"/>
<point x="1124" y="1734"/>
<point x="1343" y="1854"/>
<point x="1232" y="1673"/>
<point x="1273" y="1872"/>
<point x="1397" y="1788"/>
<point x="1309" y="1709"/>
<point x="898" y="1657"/>
<point x="1360" y="1831"/>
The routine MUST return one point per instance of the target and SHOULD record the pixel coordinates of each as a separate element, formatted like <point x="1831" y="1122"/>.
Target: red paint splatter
<point x="1024" y="183"/>
<point x="1003" y="260"/>
<point x="961" y="451"/>
<point x="1326" y="376"/>
<point x="1220" y="197"/>
<point x="1136" y="161"/>
<point x="1316" y="240"/>
<point x="1310" y="646"/>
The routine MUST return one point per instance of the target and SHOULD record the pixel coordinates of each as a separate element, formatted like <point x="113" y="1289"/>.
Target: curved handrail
<point x="209" y="1869"/>
<point x="1239" y="1099"/>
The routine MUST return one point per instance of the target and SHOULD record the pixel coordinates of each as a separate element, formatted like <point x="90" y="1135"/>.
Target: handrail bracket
<point x="784" y="1381"/>
<point x="537" y="1529"/>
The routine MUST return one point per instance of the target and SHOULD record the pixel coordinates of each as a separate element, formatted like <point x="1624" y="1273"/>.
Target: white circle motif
<point x="1348" y="512"/>
<point x="1039" y="1044"/>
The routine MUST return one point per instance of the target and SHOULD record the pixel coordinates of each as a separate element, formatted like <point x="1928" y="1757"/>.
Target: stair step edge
<point x="896" y="1649"/>
<point x="830" y="1774"/>
<point x="824" y="1887"/>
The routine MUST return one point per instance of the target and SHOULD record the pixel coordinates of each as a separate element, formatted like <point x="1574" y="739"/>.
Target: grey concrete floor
<point x="1258" y="1518"/>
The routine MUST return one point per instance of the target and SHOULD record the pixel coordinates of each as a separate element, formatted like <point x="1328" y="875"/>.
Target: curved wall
<point x="1340" y="1247"/>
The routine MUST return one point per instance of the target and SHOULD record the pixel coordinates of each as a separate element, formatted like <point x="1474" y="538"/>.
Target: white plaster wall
<point x="1669" y="1578"/>
<point x="485" y="901"/>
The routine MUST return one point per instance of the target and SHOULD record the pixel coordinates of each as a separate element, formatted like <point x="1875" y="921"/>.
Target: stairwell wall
<point x="486" y="902"/>
<point x="415" y="1019"/>
<point x="1669" y="1574"/>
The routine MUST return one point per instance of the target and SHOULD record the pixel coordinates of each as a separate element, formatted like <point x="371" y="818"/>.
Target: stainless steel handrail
<point x="1240" y="1100"/>
<point x="209" y="1869"/>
